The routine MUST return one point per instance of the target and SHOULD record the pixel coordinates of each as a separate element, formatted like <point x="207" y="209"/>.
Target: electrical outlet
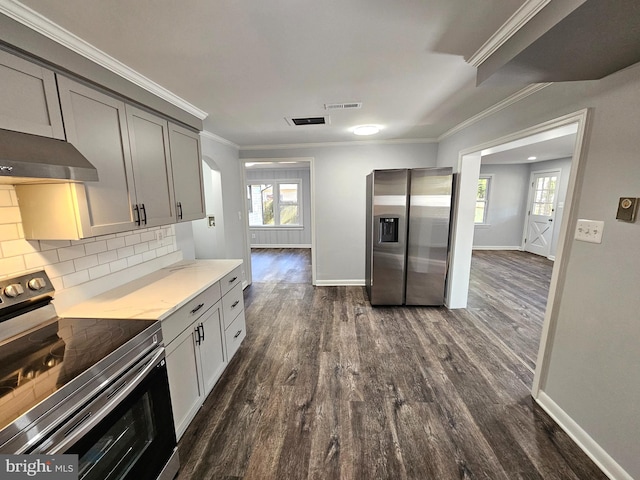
<point x="589" y="230"/>
<point x="159" y="235"/>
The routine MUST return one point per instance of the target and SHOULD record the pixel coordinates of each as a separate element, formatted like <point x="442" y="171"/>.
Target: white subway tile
<point x="141" y="248"/>
<point x="107" y="257"/>
<point x="10" y="215"/>
<point x="96" y="247"/>
<point x="9" y="232"/>
<point x="53" y="244"/>
<point x="125" y="252"/>
<point x="162" y="251"/>
<point x="85" y="263"/>
<point x="132" y="239"/>
<point x="118" y="265"/>
<point x="14" y="248"/>
<point x="71" y="253"/>
<point x="57" y="283"/>
<point x="99" y="271"/>
<point x="60" y="269"/>
<point x="115" y="243"/>
<point x="5" y="198"/>
<point x="11" y="266"/>
<point x="41" y="259"/>
<point x="150" y="255"/>
<point x="147" y="236"/>
<point x="76" y="278"/>
<point x="135" y="260"/>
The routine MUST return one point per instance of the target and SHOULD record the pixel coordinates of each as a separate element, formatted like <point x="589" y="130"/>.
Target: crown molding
<point x="516" y="97"/>
<point x="289" y="146"/>
<point x="216" y="138"/>
<point x="525" y="13"/>
<point x="37" y="22"/>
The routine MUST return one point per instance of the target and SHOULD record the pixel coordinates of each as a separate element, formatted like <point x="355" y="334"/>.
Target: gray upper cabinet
<point x="96" y="125"/>
<point x="186" y="162"/>
<point x="149" y="137"/>
<point x="28" y="98"/>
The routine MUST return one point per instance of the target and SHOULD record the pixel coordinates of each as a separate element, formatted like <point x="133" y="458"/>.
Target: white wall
<point x="593" y="357"/>
<point x="209" y="240"/>
<point x="284" y="236"/>
<point x="339" y="177"/>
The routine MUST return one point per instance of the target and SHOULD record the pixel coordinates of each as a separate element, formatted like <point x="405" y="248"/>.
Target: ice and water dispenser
<point x="388" y="230"/>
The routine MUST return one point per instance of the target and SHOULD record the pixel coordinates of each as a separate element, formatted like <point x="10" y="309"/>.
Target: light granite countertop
<point x="157" y="295"/>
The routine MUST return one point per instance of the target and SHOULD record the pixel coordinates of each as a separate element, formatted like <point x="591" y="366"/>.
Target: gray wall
<point x="594" y="358"/>
<point x="507" y="207"/>
<point x="508" y="204"/>
<point x="339" y="185"/>
<point x="284" y="236"/>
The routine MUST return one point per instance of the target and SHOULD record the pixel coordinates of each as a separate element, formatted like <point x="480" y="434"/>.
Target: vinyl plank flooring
<point x="327" y="387"/>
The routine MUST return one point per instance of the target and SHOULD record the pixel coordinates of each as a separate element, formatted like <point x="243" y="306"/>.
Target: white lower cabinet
<point x="195" y="357"/>
<point x="200" y="338"/>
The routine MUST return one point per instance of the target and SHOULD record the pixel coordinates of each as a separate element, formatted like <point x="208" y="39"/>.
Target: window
<point x="482" y="199"/>
<point x="274" y="203"/>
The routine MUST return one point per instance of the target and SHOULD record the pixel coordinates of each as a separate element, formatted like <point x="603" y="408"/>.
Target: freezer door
<point x="388" y="237"/>
<point x="428" y="237"/>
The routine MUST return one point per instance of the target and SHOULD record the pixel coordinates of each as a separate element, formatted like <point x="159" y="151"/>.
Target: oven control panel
<point x="24" y="288"/>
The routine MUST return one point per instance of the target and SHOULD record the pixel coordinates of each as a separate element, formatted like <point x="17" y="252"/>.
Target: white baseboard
<point x="510" y="247"/>
<point x="340" y="283"/>
<point x="588" y="445"/>
<point x="282" y="245"/>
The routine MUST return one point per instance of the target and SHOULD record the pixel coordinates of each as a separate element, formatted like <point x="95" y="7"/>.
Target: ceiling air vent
<point x="308" y="121"/>
<point x="342" y="106"/>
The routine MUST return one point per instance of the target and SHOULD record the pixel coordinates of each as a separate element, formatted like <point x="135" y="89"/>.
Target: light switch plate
<point x="589" y="230"/>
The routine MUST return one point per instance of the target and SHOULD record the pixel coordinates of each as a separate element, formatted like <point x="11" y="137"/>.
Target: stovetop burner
<point x="36" y="363"/>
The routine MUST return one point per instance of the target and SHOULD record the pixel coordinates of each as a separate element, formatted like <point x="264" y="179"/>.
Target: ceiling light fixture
<point x="366" y="129"/>
<point x="532" y="158"/>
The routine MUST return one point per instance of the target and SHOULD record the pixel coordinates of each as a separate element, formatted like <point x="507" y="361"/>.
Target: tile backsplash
<point x="70" y="263"/>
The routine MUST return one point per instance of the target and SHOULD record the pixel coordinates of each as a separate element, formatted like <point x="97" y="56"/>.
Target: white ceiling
<point x="251" y="64"/>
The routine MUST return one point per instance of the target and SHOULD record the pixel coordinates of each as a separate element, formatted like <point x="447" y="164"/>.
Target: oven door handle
<point x="87" y="419"/>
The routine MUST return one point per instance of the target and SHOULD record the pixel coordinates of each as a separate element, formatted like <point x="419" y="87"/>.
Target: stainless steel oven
<point x="95" y="388"/>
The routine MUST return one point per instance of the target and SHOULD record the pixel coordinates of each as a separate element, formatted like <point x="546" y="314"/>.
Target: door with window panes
<point x="541" y="214"/>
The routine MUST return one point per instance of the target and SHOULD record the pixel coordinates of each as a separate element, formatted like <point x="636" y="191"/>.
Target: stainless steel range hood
<point x="28" y="158"/>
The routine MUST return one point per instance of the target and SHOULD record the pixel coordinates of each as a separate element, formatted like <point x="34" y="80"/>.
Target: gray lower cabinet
<point x="28" y="98"/>
<point x="186" y="163"/>
<point x="195" y="359"/>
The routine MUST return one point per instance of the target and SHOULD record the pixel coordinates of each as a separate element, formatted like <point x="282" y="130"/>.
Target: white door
<point x="541" y="215"/>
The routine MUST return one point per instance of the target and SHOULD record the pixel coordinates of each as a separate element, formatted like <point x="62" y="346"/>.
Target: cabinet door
<point x="184" y="382"/>
<point x="96" y="126"/>
<point x="149" y="139"/>
<point x="211" y="348"/>
<point x="186" y="163"/>
<point x="28" y="98"/>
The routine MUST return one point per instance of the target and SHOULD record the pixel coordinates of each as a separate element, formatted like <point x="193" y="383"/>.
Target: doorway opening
<point x="469" y="168"/>
<point x="280" y="219"/>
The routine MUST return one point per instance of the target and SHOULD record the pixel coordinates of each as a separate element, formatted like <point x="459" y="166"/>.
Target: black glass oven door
<point x="136" y="439"/>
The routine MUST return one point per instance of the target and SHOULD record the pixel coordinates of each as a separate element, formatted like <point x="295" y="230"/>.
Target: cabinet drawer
<point x="232" y="305"/>
<point x="231" y="279"/>
<point x="234" y="335"/>
<point x="173" y="325"/>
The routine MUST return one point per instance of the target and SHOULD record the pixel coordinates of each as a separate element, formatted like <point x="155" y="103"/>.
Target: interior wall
<point x="208" y="233"/>
<point x="509" y="203"/>
<point x="506" y="209"/>
<point x="284" y="236"/>
<point x="339" y="176"/>
<point x="592" y="355"/>
<point x="228" y="165"/>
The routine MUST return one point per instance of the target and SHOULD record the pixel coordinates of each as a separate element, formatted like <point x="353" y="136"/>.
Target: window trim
<point x="276" y="196"/>
<point x="485" y="220"/>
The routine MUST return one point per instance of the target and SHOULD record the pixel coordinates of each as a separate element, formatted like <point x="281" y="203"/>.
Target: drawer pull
<point x="235" y="304"/>
<point x="237" y="334"/>
<point x="233" y="279"/>
<point x="197" y="308"/>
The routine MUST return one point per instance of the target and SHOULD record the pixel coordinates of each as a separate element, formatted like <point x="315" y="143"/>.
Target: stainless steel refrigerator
<point x="408" y="218"/>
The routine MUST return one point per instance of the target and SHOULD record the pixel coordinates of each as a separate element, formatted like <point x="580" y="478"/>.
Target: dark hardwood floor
<point x="287" y="265"/>
<point x="327" y="387"/>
